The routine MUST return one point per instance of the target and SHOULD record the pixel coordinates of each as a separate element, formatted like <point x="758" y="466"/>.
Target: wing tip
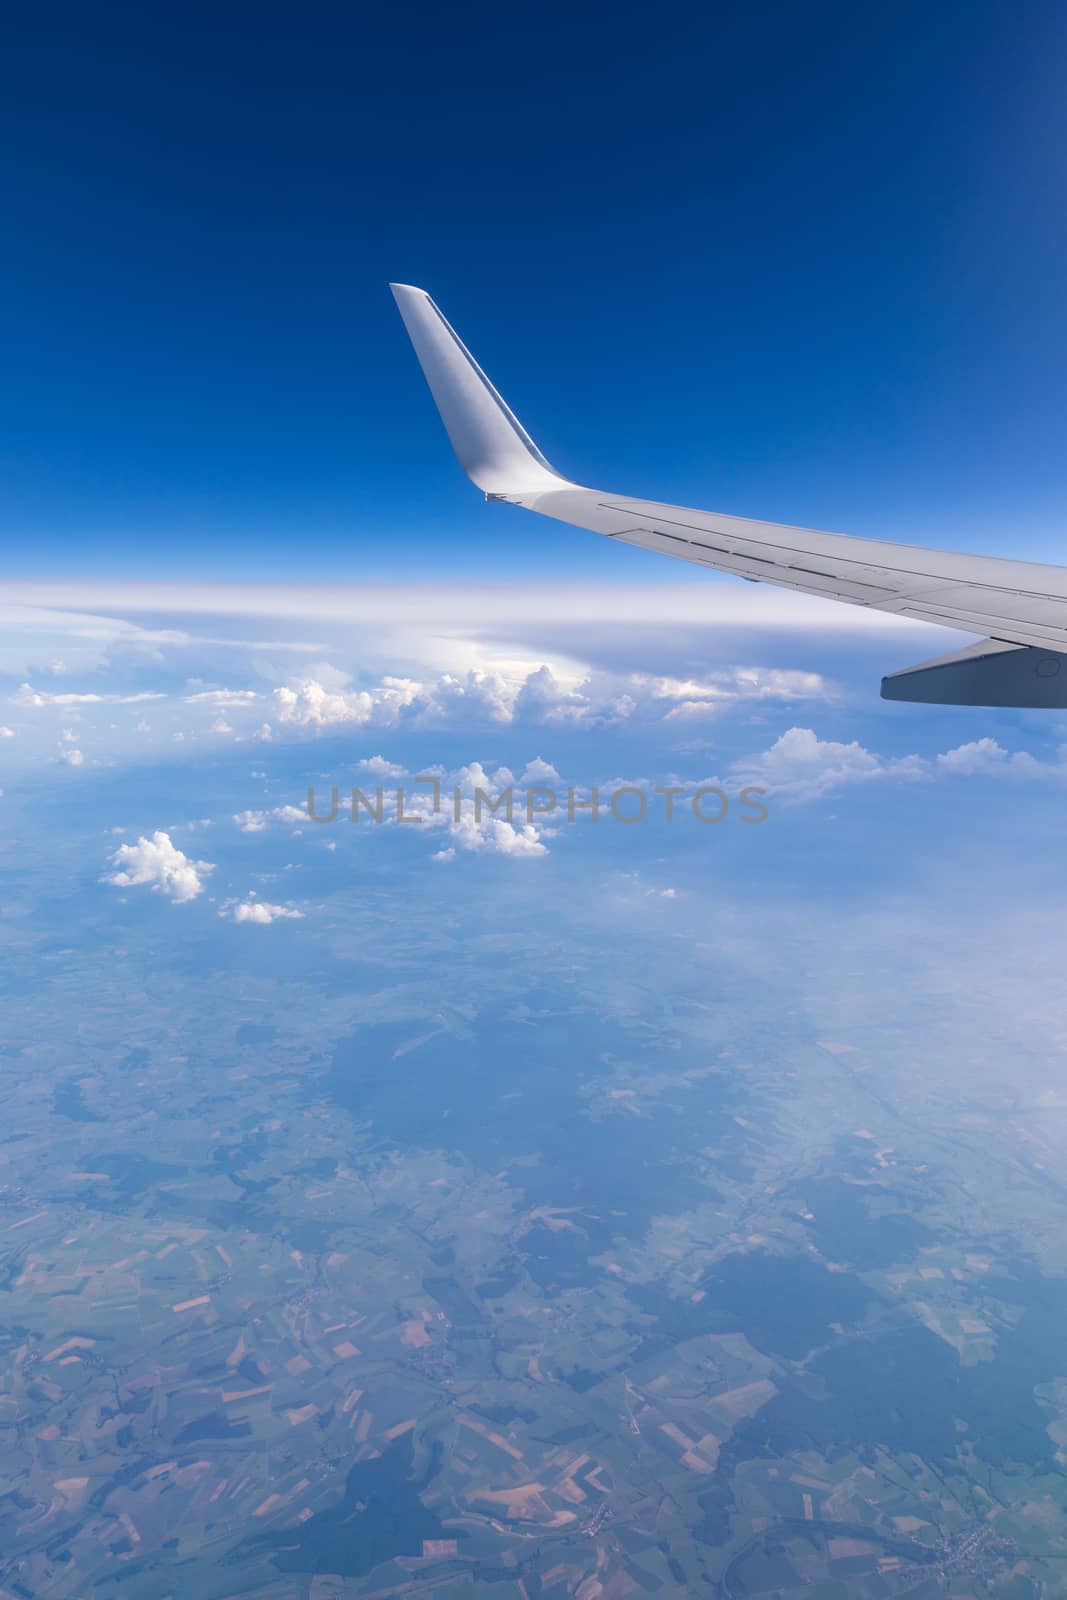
<point x="493" y="447"/>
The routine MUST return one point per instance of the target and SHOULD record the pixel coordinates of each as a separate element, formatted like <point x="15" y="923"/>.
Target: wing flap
<point x="993" y="673"/>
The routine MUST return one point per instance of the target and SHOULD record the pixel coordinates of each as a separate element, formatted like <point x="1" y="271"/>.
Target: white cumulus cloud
<point x="986" y="758"/>
<point x="539" y="771"/>
<point x="311" y="705"/>
<point x="496" y="836"/>
<point x="804" y="766"/>
<point x="159" y="863"/>
<point x="382" y="768"/>
<point x="263" y="912"/>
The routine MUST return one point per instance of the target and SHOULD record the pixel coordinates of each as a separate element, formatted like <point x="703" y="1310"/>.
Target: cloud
<point x="543" y="698"/>
<point x="705" y="696"/>
<point x="381" y="768"/>
<point x="309" y="704"/>
<point x="95" y="639"/>
<point x="72" y="758"/>
<point x="263" y="912"/>
<point x="256" y="821"/>
<point x="7" y="733"/>
<point x="514" y="692"/>
<point x="28" y="696"/>
<point x="250" y="821"/>
<point x="464" y="699"/>
<point x="801" y="765"/>
<point x="496" y="836"/>
<point x="474" y="776"/>
<point x="702" y="599"/>
<point x="986" y="758"/>
<point x="222" y="699"/>
<point x="485" y="833"/>
<point x="539" y="771"/>
<point x="457" y="676"/>
<point x="450" y="699"/>
<point x="158" y="863"/>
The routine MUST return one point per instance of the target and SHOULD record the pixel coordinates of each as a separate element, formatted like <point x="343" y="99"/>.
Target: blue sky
<point x="794" y="266"/>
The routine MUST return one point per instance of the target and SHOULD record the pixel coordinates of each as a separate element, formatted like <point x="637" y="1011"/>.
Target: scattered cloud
<point x="381" y="768"/>
<point x="6" y="733"/>
<point x="256" y="821"/>
<point x="28" y="696"/>
<point x="706" y="696"/>
<point x="476" y="829"/>
<point x="222" y="699"/>
<point x="543" y="698"/>
<point x="72" y="758"/>
<point x="263" y="913"/>
<point x="986" y="758"/>
<point x="539" y="771"/>
<point x="311" y="705"/>
<point x="803" y="766"/>
<point x="496" y="836"/>
<point x="159" y="863"/>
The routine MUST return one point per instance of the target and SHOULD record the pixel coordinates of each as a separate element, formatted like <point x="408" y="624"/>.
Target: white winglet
<point x="493" y="447"/>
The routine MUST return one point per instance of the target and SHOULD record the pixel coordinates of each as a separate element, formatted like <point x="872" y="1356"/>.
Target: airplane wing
<point x="1020" y="605"/>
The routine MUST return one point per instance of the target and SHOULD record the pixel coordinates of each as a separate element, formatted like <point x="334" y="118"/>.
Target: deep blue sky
<point x="805" y="262"/>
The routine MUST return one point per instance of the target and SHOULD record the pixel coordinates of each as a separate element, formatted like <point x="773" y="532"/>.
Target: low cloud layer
<point x="542" y="696"/>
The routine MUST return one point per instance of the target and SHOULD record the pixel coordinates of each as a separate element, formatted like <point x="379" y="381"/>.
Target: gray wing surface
<point x="1019" y="604"/>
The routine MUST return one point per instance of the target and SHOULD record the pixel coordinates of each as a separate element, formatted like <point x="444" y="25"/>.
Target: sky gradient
<point x="725" y="256"/>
